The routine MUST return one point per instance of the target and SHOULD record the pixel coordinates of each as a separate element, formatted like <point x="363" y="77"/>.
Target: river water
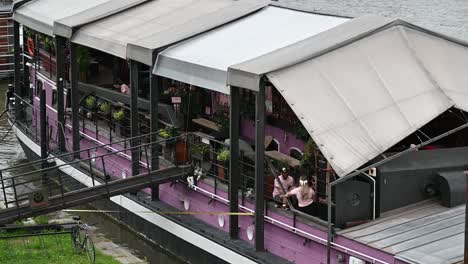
<point x="445" y="16"/>
<point x="449" y="17"/>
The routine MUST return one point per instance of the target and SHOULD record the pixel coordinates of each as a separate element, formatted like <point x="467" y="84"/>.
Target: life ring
<point x="30" y="45"/>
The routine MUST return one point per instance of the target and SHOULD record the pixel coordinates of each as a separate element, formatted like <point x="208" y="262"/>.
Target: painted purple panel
<point x="286" y="140"/>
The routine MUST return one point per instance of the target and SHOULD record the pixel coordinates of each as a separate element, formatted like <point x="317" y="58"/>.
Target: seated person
<point x="305" y="196"/>
<point x="122" y="87"/>
<point x="288" y="182"/>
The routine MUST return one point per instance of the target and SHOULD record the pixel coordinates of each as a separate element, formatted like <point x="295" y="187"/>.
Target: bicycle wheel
<point x="76" y="239"/>
<point x="90" y="250"/>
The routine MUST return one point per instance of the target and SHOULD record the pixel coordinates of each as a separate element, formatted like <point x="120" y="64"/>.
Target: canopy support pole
<point x="75" y="99"/>
<point x="17" y="58"/>
<point x="466" y="217"/>
<point x="155" y="83"/>
<point x="43" y="123"/>
<point x="234" y="164"/>
<point x="60" y="65"/>
<point x="259" y="167"/>
<point x="134" y="124"/>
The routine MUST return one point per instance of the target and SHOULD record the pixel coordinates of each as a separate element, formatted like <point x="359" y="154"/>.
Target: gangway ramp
<point x="96" y="175"/>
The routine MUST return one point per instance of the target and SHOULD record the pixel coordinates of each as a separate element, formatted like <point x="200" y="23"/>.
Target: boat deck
<point x="424" y="232"/>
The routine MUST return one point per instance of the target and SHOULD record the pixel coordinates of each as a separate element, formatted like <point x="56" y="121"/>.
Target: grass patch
<point x="41" y="220"/>
<point x="50" y="249"/>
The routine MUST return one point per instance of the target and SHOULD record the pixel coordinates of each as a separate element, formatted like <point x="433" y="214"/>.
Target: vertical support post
<point x="60" y="65"/>
<point x="44" y="137"/>
<point x="4" y="190"/>
<point x="259" y="166"/>
<point x="329" y="223"/>
<point x="17" y="59"/>
<point x="75" y="100"/>
<point x="155" y="86"/>
<point x="466" y="217"/>
<point x="43" y="124"/>
<point x="17" y="69"/>
<point x="234" y="164"/>
<point x="134" y="131"/>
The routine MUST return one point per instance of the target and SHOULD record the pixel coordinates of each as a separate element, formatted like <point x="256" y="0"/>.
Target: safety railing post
<point x="3" y="189"/>
<point x="13" y="184"/>
<point x="106" y="177"/>
<point x="61" y="187"/>
<point x="91" y="167"/>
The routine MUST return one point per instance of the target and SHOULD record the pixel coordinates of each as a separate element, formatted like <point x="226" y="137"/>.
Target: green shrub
<point x="200" y="149"/>
<point x="223" y="155"/>
<point x="90" y="101"/>
<point x="118" y="115"/>
<point x="105" y="107"/>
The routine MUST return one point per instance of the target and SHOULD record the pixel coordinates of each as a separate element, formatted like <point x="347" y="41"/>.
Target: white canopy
<point x="136" y="32"/>
<point x="368" y="89"/>
<point x="40" y="15"/>
<point x="64" y="27"/>
<point x="203" y="61"/>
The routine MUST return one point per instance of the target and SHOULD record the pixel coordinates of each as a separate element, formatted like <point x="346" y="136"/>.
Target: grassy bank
<point x="51" y="249"/>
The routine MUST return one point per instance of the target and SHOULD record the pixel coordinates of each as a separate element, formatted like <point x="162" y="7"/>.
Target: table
<point x="276" y="155"/>
<point x="206" y="123"/>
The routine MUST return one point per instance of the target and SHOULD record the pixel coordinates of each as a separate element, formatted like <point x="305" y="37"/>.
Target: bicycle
<point x="81" y="240"/>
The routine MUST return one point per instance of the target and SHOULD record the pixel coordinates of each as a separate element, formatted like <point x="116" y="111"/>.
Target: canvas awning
<point x="41" y="15"/>
<point x="365" y="85"/>
<point x="203" y="60"/>
<point x="138" y="31"/>
<point x="64" y="27"/>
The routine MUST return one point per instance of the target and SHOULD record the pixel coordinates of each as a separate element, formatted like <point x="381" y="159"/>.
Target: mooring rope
<point x="157" y="212"/>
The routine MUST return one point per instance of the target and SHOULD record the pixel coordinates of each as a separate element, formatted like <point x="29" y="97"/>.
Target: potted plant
<point x="105" y="108"/>
<point x="200" y="151"/>
<point x="83" y="60"/>
<point x="90" y="104"/>
<point x="119" y="117"/>
<point x="223" y="163"/>
<point x="222" y="120"/>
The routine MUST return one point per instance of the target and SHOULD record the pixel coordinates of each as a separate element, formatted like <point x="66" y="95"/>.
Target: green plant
<point x="199" y="149"/>
<point x="164" y="133"/>
<point x="118" y="115"/>
<point x="28" y="32"/>
<point x="83" y="58"/>
<point x="90" y="102"/>
<point x="41" y="220"/>
<point x="222" y="119"/>
<point x="223" y="155"/>
<point x="168" y="132"/>
<point x="105" y="107"/>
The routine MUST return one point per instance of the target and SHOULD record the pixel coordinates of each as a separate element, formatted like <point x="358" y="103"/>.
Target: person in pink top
<point x="122" y="87"/>
<point x="305" y="196"/>
<point x="288" y="182"/>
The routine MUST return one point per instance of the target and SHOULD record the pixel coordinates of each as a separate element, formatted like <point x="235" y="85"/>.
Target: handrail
<point x="288" y="227"/>
<point x="81" y="160"/>
<point x="85" y="150"/>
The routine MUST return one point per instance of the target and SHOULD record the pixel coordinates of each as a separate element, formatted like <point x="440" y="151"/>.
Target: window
<point x="295" y="153"/>
<point x="39" y="86"/>
<point x="274" y="145"/>
<point x="54" y="99"/>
